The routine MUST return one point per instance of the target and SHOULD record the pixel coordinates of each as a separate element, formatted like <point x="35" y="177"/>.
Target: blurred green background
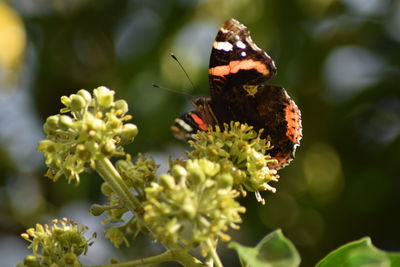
<point x="339" y="60"/>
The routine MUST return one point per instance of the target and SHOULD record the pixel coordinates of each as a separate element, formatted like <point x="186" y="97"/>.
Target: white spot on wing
<point x="184" y="125"/>
<point x="243" y="54"/>
<point x="226" y="46"/>
<point x="240" y="44"/>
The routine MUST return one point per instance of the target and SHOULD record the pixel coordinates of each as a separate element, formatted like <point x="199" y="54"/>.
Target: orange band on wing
<point x="199" y="122"/>
<point x="237" y="65"/>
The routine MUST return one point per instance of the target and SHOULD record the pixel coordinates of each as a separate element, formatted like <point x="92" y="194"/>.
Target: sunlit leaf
<point x="274" y="250"/>
<point x="358" y="254"/>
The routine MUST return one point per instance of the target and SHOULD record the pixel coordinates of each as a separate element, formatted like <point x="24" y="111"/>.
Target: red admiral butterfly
<point x="238" y="67"/>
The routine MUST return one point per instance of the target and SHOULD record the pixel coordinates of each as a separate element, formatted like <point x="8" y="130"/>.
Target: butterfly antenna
<point x="170" y="90"/>
<point x="187" y="76"/>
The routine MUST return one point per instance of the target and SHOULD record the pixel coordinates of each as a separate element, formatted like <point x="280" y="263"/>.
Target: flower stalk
<point x="110" y="175"/>
<point x="214" y="254"/>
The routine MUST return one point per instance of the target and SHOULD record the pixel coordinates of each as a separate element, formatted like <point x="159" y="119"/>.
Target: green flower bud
<point x="124" y="165"/>
<point x="121" y="106"/>
<point x="210" y="168"/>
<point x="129" y="132"/>
<point x="82" y="152"/>
<point x="104" y="96"/>
<point x="106" y="189"/>
<point x="52" y="122"/>
<point x="86" y="95"/>
<point x="31" y="261"/>
<point x="95" y="124"/>
<point x="108" y="148"/>
<point x="47" y="146"/>
<point x="92" y="146"/>
<point x="224" y="180"/>
<point x="113" y="122"/>
<point x="196" y="176"/>
<point x="189" y="209"/>
<point x="97" y="210"/>
<point x="69" y="259"/>
<point x="65" y="122"/>
<point x="66" y="101"/>
<point x="167" y="181"/>
<point x="178" y="171"/>
<point x="39" y="228"/>
<point x="65" y="238"/>
<point x="76" y="240"/>
<point x="77" y="102"/>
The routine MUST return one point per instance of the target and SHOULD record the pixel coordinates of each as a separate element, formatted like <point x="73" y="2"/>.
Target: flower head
<point x="241" y="152"/>
<point x="57" y="245"/>
<point x="94" y="129"/>
<point x="193" y="204"/>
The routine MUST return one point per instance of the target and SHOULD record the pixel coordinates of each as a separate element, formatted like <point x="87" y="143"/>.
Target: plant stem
<point x="109" y="174"/>
<point x="214" y="254"/>
<point x="169" y="255"/>
<point x="166" y="256"/>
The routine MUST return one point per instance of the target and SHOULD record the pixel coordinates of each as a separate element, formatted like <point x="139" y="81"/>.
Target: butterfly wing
<point x="236" y="60"/>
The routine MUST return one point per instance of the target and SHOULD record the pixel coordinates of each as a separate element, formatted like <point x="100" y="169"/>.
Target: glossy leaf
<point x="358" y="254"/>
<point x="274" y="250"/>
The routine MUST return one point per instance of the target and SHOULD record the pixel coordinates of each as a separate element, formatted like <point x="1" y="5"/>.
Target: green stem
<point x="166" y="256"/>
<point x="214" y="254"/>
<point x="169" y="255"/>
<point x="109" y="174"/>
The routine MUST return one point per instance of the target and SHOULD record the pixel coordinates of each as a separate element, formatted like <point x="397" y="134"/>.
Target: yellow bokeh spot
<point x="12" y="37"/>
<point x="323" y="171"/>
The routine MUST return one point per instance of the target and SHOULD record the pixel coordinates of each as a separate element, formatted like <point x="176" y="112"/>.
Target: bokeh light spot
<point x="281" y="210"/>
<point x="367" y="7"/>
<point x="323" y="171"/>
<point x="349" y="69"/>
<point x="393" y="21"/>
<point x="309" y="228"/>
<point x="192" y="46"/>
<point x="12" y="37"/>
<point x="132" y="38"/>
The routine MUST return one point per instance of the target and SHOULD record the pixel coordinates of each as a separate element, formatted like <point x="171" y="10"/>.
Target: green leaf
<point x="274" y="250"/>
<point x="394" y="258"/>
<point x="360" y="253"/>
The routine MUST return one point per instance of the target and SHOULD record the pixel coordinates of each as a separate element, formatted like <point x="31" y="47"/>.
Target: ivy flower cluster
<point x="193" y="205"/>
<point x="94" y="129"/>
<point x="241" y="152"/>
<point x="57" y="245"/>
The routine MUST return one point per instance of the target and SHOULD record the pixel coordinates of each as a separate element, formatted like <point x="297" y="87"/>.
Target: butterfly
<point x="238" y="68"/>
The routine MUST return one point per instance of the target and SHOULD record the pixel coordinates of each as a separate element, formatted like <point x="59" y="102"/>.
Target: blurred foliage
<point x="339" y="59"/>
